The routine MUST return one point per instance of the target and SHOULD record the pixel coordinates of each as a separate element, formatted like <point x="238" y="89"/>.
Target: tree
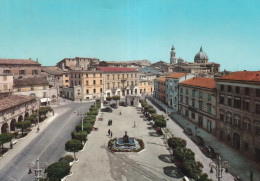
<point x="183" y="153"/>
<point x="33" y="118"/>
<point x="151" y="110"/>
<point x="67" y="158"/>
<point x="58" y="170"/>
<point x="116" y="98"/>
<point x="176" y="142"/>
<point x="73" y="145"/>
<point x="160" y="122"/>
<point x="81" y="136"/>
<point x="109" y="99"/>
<point x="4" y="138"/>
<point x="192" y="169"/>
<point x="23" y="125"/>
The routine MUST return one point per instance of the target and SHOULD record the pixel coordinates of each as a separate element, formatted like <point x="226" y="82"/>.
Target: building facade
<point x="81" y="63"/>
<point x="6" y="83"/>
<point x="162" y="93"/>
<point x="238" y="107"/>
<point x="146" y="87"/>
<point x="120" y="81"/>
<point x="20" y="67"/>
<point x="14" y="109"/>
<point x="54" y="75"/>
<point x="171" y="88"/>
<point x="197" y="102"/>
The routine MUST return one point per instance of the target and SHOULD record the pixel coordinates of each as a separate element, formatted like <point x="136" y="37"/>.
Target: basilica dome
<point x="201" y="57"/>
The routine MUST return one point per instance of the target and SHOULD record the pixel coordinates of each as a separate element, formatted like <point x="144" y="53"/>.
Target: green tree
<point x="73" y="145"/>
<point x="176" y="142"/>
<point x="183" y="153"/>
<point x="33" y="118"/>
<point x="193" y="169"/>
<point x="58" y="170"/>
<point x="160" y="122"/>
<point x="109" y="99"/>
<point x="5" y="138"/>
<point x="151" y="110"/>
<point x="67" y="158"/>
<point x="23" y="125"/>
<point x="116" y="98"/>
<point x="81" y="136"/>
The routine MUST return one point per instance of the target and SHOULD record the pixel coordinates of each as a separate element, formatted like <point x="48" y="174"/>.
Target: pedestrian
<point x="108" y="122"/>
<point x="120" y="113"/>
<point x="111" y="134"/>
<point x="134" y="124"/>
<point x="111" y="122"/>
<point x="38" y="128"/>
<point x="11" y="145"/>
<point x="108" y="132"/>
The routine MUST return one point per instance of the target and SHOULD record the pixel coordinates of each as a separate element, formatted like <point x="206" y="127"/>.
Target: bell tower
<point x="173" y="56"/>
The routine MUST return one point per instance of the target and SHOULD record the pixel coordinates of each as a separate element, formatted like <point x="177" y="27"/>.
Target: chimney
<point x="36" y="60"/>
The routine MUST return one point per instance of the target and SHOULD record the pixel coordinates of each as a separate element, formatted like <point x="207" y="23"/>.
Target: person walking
<point x="111" y="122"/>
<point x="108" y="132"/>
<point x="111" y="134"/>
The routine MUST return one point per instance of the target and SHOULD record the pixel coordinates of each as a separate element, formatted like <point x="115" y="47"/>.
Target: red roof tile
<point x="17" y="61"/>
<point x="176" y="75"/>
<point x="116" y="69"/>
<point x="201" y="82"/>
<point x="243" y="75"/>
<point x="14" y="100"/>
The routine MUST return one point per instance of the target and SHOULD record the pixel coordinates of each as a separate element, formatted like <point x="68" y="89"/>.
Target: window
<point x="100" y="75"/>
<point x="209" y="109"/>
<point x="34" y="72"/>
<point x="237" y="103"/>
<point x="132" y="83"/>
<point x="87" y="75"/>
<point x="246" y="126"/>
<point x="94" y="82"/>
<point x="257" y="108"/>
<point x="209" y="97"/>
<point x="229" y="118"/>
<point x="181" y="98"/>
<point x="246" y="105"/>
<point x="32" y="87"/>
<point x="135" y="82"/>
<point x="94" y="90"/>
<point x="187" y="91"/>
<point x="113" y="84"/>
<point x="222" y="87"/>
<point x="245" y="146"/>
<point x="87" y="91"/>
<point x="22" y="72"/>
<point x="94" y="75"/>
<point x="118" y="84"/>
<point x="127" y="76"/>
<point x="44" y="87"/>
<point x="221" y="99"/>
<point x="237" y="90"/>
<point x="113" y="76"/>
<point x="193" y="115"/>
<point x="107" y="77"/>
<point x="181" y="90"/>
<point x="257" y="92"/>
<point x="108" y="85"/>
<point x="193" y="93"/>
<point x="118" y="75"/>
<point x="5" y="77"/>
<point x="229" y="101"/>
<point x="135" y="75"/>
<point x="101" y="90"/>
<point x="247" y="91"/>
<point x="193" y="103"/>
<point x="5" y="87"/>
<point x="237" y="121"/>
<point x="200" y="95"/>
<point x="7" y="71"/>
<point x="100" y="82"/>
<point x="187" y="101"/>
<point x="66" y="75"/>
<point x="127" y="83"/>
<point x="200" y="105"/>
<point x="66" y="80"/>
<point x="44" y="94"/>
<point x="131" y="75"/>
<point x="221" y="117"/>
<point x="87" y="82"/>
<point x="257" y="130"/>
<point x="229" y="88"/>
<point x="123" y="76"/>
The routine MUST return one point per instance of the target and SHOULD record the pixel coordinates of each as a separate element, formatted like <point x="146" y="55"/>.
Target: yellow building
<point x="146" y="87"/>
<point x="66" y="79"/>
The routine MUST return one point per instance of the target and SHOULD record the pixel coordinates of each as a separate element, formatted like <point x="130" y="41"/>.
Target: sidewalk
<point x="239" y="164"/>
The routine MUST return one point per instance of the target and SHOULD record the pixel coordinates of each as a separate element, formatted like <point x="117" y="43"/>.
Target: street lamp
<point x="219" y="166"/>
<point x="37" y="167"/>
<point x="82" y="116"/>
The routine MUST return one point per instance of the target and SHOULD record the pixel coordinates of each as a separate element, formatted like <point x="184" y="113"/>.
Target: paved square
<point x="98" y="164"/>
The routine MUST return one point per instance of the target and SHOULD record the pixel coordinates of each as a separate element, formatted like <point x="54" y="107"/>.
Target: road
<point x="48" y="144"/>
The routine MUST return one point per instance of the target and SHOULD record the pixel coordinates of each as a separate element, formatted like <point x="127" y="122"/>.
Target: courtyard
<point x="97" y="163"/>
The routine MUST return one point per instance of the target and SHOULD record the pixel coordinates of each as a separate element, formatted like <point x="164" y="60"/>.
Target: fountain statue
<point x="126" y="143"/>
<point x="125" y="138"/>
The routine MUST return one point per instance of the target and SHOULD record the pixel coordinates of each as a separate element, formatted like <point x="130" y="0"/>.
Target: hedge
<point x="58" y="170"/>
<point x="73" y="145"/>
<point x="86" y="127"/>
<point x="81" y="135"/>
<point x="176" y="142"/>
<point x="67" y="159"/>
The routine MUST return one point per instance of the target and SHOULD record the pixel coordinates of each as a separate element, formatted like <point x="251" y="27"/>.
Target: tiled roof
<point x="162" y="79"/>
<point x="243" y="75"/>
<point x="30" y="81"/>
<point x="176" y="75"/>
<point x="52" y="70"/>
<point x="201" y="82"/>
<point x="14" y="100"/>
<point x="17" y="61"/>
<point x="116" y="69"/>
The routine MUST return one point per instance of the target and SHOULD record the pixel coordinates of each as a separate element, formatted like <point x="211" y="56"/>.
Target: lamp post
<point x="37" y="167"/>
<point x="82" y="116"/>
<point x="219" y="166"/>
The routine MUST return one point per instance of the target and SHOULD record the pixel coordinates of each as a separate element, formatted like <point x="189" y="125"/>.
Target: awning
<point x="45" y="100"/>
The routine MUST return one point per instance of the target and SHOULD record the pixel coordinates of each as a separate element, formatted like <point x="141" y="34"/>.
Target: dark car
<point x="188" y="131"/>
<point x="114" y="105"/>
<point x="208" y="151"/>
<point x="107" y="109"/>
<point x="198" y="140"/>
<point x="123" y="104"/>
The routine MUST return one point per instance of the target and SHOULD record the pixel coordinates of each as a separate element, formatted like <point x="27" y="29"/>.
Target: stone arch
<point x="236" y="141"/>
<point x="4" y="128"/>
<point x="12" y="125"/>
<point x="26" y="115"/>
<point x="20" y="118"/>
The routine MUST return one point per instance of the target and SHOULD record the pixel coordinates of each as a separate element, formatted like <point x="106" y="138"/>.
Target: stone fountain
<point x="126" y="143"/>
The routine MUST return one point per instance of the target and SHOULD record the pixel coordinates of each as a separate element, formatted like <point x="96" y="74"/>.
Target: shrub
<point x="86" y="127"/>
<point x="176" y="142"/>
<point x="192" y="169"/>
<point x="81" y="135"/>
<point x="73" y="145"/>
<point x="67" y="159"/>
<point x="183" y="153"/>
<point x="5" y="137"/>
<point x="58" y="170"/>
<point x="93" y="108"/>
<point x="151" y="110"/>
<point x="116" y="98"/>
<point x="160" y="123"/>
<point x="92" y="113"/>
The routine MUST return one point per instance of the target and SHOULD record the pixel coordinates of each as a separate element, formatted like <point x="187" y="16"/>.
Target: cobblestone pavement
<point x="98" y="164"/>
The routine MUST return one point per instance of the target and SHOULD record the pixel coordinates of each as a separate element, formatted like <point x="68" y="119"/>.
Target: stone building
<point x="162" y="94"/>
<point x="197" y="102"/>
<point x="54" y="76"/>
<point x="6" y="83"/>
<point x="119" y="81"/>
<point x="80" y="63"/>
<point x="136" y="64"/>
<point x="14" y="109"/>
<point x="36" y="87"/>
<point x="146" y="87"/>
<point x="162" y="66"/>
<point x="150" y="70"/>
<point x="171" y="87"/>
<point x="156" y="88"/>
<point x="20" y="67"/>
<point x="238" y="112"/>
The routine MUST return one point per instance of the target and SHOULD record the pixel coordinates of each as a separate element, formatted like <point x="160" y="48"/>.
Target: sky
<point x="118" y="30"/>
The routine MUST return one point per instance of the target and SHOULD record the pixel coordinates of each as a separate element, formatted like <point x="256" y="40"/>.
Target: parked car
<point x="107" y="109"/>
<point x="123" y="104"/>
<point x="198" y="140"/>
<point x="208" y="151"/>
<point x="188" y="131"/>
<point x="114" y="105"/>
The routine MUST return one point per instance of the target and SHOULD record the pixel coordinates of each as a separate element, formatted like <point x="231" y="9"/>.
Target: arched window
<point x="237" y="120"/>
<point x="229" y="118"/>
<point x="246" y="124"/>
